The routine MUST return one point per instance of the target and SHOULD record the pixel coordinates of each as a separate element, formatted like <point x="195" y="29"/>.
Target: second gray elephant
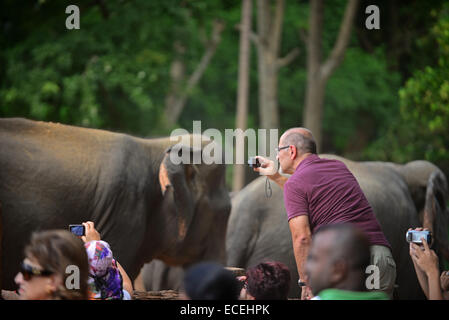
<point x="402" y="196"/>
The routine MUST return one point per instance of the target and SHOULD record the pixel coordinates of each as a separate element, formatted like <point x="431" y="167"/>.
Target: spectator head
<point x="210" y="281"/>
<point x="338" y="258"/>
<point x="268" y="281"/>
<point x="105" y="281"/>
<point x="44" y="271"/>
<point x="299" y="142"/>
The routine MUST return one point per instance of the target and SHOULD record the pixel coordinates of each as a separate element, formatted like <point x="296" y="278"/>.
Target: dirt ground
<point x="156" y="295"/>
<point x="137" y="295"/>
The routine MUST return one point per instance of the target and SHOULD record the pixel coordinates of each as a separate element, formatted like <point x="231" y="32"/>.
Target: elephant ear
<point x="435" y="216"/>
<point x="178" y="178"/>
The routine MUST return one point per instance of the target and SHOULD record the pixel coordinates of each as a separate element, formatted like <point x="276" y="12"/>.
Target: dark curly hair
<point x="269" y="280"/>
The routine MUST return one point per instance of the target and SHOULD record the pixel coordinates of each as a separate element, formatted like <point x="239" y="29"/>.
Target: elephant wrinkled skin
<point x="53" y="175"/>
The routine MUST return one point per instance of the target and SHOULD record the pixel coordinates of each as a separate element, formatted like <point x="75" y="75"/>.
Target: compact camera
<point x="415" y="236"/>
<point x="77" y="229"/>
<point x="253" y="162"/>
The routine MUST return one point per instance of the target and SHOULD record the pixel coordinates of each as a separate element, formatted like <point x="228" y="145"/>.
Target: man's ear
<point x="294" y="152"/>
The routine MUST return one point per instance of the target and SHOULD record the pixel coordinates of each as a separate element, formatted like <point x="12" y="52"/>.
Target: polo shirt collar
<point x="307" y="160"/>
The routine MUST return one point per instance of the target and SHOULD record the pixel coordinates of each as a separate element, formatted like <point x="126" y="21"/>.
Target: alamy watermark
<point x="73" y="20"/>
<point x="259" y="142"/>
<point x="72" y="282"/>
<point x="372" y="281"/>
<point x="373" y="20"/>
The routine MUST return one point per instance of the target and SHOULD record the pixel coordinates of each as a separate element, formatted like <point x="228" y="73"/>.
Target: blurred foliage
<point x="114" y="73"/>
<point x="422" y="131"/>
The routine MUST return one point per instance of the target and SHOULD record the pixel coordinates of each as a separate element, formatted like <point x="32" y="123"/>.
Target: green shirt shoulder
<point x="337" y="294"/>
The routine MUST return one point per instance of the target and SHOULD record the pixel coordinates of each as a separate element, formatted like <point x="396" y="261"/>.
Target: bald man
<point x="320" y="192"/>
<point x="336" y="264"/>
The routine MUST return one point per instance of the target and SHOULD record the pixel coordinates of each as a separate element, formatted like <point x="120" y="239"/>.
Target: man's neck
<point x="300" y="159"/>
<point x="353" y="282"/>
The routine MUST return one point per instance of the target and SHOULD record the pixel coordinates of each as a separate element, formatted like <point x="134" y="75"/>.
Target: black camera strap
<point x="268" y="188"/>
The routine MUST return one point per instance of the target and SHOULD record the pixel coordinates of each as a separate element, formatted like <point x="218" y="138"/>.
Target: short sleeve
<point x="295" y="200"/>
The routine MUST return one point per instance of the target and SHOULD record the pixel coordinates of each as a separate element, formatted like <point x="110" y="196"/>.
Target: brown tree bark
<point x="268" y="40"/>
<point x="318" y="73"/>
<point x="238" y="180"/>
<point x="179" y="93"/>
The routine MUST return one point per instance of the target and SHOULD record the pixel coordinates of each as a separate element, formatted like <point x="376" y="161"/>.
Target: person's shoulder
<point x="321" y="160"/>
<point x="293" y="182"/>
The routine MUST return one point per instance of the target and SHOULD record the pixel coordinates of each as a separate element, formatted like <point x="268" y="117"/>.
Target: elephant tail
<point x="436" y="214"/>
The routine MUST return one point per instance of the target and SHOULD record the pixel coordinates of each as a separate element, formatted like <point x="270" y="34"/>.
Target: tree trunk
<point x="313" y="117"/>
<point x="177" y="98"/>
<point x="318" y="73"/>
<point x="243" y="89"/>
<point x="177" y="78"/>
<point x="268" y="85"/>
<point x="268" y="40"/>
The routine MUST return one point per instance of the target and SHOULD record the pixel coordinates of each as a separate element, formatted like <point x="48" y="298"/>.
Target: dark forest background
<point x="146" y="67"/>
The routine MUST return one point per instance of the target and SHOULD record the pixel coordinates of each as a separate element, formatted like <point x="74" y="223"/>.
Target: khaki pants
<point x="382" y="258"/>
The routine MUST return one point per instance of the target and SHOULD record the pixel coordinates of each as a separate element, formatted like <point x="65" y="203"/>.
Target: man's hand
<point x="91" y="233"/>
<point x="267" y="166"/>
<point x="306" y="293"/>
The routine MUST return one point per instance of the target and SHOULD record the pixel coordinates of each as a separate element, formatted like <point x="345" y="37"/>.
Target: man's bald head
<point x="301" y="138"/>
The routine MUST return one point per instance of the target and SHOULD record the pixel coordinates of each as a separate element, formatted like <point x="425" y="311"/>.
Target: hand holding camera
<point x="86" y="231"/>
<point x="77" y="229"/>
<point x="423" y="257"/>
<point x="417" y="235"/>
<point x="262" y="165"/>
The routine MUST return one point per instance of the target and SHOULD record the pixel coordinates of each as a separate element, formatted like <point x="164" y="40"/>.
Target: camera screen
<point x="77" y="230"/>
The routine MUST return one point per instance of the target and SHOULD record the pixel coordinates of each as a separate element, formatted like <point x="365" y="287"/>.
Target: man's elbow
<point x="303" y="239"/>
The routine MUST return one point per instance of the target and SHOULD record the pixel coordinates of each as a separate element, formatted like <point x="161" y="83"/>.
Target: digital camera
<point x="253" y="162"/>
<point x="415" y="236"/>
<point x="77" y="229"/>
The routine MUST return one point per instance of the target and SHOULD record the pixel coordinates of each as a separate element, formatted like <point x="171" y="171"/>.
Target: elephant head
<point x="177" y="182"/>
<point x="196" y="208"/>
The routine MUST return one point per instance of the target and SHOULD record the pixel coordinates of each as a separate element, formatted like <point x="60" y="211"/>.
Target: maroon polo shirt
<point x="326" y="191"/>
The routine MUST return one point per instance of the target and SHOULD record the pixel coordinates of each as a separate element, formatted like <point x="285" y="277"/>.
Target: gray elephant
<point x="156" y="276"/>
<point x="402" y="196"/>
<point x="144" y="205"/>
